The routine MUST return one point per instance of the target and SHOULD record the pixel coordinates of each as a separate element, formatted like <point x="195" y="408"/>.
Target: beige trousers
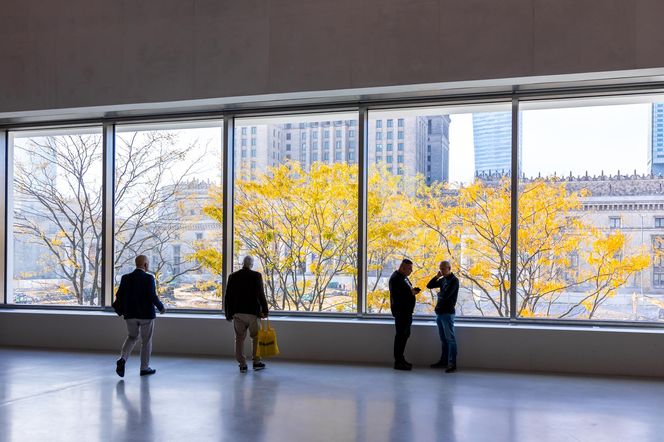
<point x="241" y="323"/>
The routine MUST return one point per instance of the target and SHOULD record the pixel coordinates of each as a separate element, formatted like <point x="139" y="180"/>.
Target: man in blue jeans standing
<point x="447" y="298"/>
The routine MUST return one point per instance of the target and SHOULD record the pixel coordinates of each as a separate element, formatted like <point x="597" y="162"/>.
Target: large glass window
<point x="299" y="218"/>
<point x="168" y="207"/>
<point x="590" y="194"/>
<point x="449" y="199"/>
<point x="55" y="216"/>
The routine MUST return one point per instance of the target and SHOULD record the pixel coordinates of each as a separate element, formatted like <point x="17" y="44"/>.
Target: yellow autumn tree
<point x="302" y="227"/>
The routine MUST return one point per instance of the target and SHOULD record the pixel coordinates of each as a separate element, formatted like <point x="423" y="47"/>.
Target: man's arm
<point x="229" y="298"/>
<point x="153" y="294"/>
<point x="118" y="303"/>
<point x="261" y="296"/>
<point x="434" y="283"/>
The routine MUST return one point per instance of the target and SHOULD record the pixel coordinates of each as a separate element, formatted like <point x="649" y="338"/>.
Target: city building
<point x="492" y="137"/>
<point x="656" y="152"/>
<point x="405" y="145"/>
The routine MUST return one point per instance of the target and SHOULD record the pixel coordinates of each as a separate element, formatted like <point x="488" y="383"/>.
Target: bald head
<point x="142" y="262"/>
<point x="248" y="262"/>
<point x="445" y="268"/>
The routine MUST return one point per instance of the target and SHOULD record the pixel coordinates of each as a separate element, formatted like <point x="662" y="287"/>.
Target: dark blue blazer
<point x="138" y="295"/>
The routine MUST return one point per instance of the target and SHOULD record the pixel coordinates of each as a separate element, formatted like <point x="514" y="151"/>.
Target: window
<point x="379" y="123"/>
<point x="337" y="133"/>
<point x="379" y="135"/>
<point x="615" y="222"/>
<point x="288" y="136"/>
<point x="55" y="224"/>
<point x="199" y="236"/>
<point x="351" y="134"/>
<point x="314" y="135"/>
<point x="253" y="131"/>
<point x="319" y="255"/>
<point x="573" y="164"/>
<point x="481" y="262"/>
<point x="244" y="131"/>
<point x="390" y="135"/>
<point x="390" y="122"/>
<point x="253" y="141"/>
<point x="659" y="222"/>
<point x="400" y="135"/>
<point x="166" y="176"/>
<point x="244" y="141"/>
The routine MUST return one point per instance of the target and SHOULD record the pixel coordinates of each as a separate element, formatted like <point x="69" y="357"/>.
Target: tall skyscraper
<point x="656" y="154"/>
<point x="437" y="164"/>
<point x="492" y="136"/>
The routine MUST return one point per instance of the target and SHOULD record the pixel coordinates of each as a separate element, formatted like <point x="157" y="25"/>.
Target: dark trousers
<point x="447" y="338"/>
<point x="402" y="324"/>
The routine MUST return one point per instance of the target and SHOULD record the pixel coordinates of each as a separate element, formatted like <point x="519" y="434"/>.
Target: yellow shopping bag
<point x="267" y="340"/>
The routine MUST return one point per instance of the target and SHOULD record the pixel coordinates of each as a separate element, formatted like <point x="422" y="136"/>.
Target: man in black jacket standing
<point x="402" y="304"/>
<point x="448" y="284"/>
<point x="244" y="303"/>
<point x="137" y="297"/>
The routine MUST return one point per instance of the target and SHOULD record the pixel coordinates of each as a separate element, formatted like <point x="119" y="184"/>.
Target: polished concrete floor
<point x="62" y="396"/>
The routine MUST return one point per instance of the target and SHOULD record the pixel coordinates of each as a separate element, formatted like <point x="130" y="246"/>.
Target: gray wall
<point x="558" y="349"/>
<point x="74" y="53"/>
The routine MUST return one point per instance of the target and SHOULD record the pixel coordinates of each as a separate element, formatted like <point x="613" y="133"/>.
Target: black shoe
<point x="259" y="366"/>
<point x="148" y="371"/>
<point x="120" y="367"/>
<point x="407" y="363"/>
<point x="439" y="364"/>
<point x="402" y="366"/>
<point x="243" y="368"/>
<point x="451" y="369"/>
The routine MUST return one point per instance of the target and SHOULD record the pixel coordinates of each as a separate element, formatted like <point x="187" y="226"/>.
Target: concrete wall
<point x="77" y="53"/>
<point x="556" y="349"/>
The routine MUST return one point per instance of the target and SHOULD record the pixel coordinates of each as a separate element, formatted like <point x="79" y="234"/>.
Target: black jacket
<point x="402" y="300"/>
<point x="137" y="295"/>
<point x="447" y="296"/>
<point x="245" y="294"/>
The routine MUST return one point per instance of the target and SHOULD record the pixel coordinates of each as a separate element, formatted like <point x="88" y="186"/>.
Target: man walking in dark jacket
<point x="137" y="296"/>
<point x="447" y="298"/>
<point x="402" y="304"/>
<point x="244" y="303"/>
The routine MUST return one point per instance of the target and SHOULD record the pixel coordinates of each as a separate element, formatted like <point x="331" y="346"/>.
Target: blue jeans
<point x="445" y="324"/>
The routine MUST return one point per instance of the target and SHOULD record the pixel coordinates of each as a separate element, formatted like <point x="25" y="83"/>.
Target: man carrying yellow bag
<point x="244" y="303"/>
<point x="267" y="340"/>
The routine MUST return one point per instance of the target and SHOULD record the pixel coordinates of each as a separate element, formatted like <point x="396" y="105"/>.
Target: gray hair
<point x="248" y="262"/>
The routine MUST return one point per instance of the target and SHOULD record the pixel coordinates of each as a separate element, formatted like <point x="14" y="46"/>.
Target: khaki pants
<point x="146" y="329"/>
<point x="242" y="322"/>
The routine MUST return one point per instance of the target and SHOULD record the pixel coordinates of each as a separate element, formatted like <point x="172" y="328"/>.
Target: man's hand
<point x="229" y="319"/>
<point x="264" y="315"/>
<point x="439" y="274"/>
<point x="162" y="311"/>
<point x="416" y="290"/>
